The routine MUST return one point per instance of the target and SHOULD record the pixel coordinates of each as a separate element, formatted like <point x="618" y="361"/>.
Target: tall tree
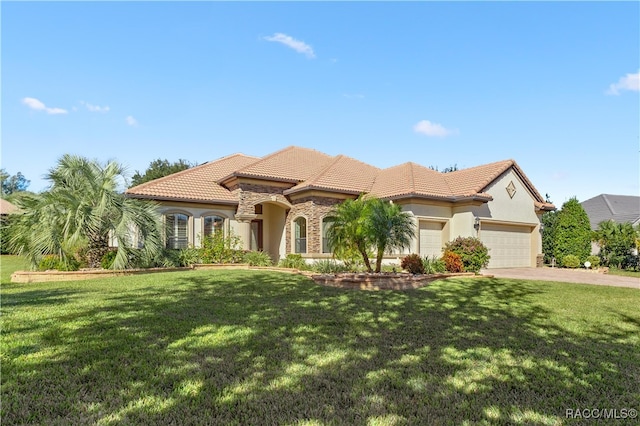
<point x="159" y="168"/>
<point x="572" y="233"/>
<point x="84" y="208"/>
<point x="13" y="183"/>
<point x="389" y="228"/>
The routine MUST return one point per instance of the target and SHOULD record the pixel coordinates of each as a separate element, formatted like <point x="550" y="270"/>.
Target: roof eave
<point x="180" y="199"/>
<point x="449" y="198"/>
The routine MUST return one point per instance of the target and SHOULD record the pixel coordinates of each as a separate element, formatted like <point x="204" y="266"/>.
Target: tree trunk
<point x="98" y="247"/>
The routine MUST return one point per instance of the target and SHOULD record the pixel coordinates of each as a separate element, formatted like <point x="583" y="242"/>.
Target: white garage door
<point x="509" y="246"/>
<point x="430" y="239"/>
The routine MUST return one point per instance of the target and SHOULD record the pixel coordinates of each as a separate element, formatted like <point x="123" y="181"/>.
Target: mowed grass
<point x="267" y="348"/>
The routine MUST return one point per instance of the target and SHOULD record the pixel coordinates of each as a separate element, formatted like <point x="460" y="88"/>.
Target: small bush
<point x="474" y="254"/>
<point x="433" y="265"/>
<point x="571" y="261"/>
<point x="328" y="266"/>
<point x="257" y="258"/>
<point x="413" y="264"/>
<point x="594" y="260"/>
<point x="188" y="256"/>
<point x="452" y="261"/>
<point x="217" y="248"/>
<point x="107" y="260"/>
<point x="294" y="261"/>
<point x="54" y="262"/>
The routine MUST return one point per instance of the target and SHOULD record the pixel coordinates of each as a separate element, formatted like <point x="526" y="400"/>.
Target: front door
<point x="256" y="235"/>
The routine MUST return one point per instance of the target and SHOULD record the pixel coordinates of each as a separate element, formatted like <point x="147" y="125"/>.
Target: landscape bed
<point x="259" y="347"/>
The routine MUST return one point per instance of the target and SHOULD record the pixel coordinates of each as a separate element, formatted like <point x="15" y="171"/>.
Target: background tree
<point x="389" y="228"/>
<point x="449" y="169"/>
<point x="82" y="209"/>
<point x="159" y="168"/>
<point x="13" y="183"/>
<point x="548" y="220"/>
<point x="616" y="240"/>
<point x="572" y="232"/>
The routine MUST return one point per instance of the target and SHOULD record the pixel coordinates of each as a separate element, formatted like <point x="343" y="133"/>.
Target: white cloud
<point x="432" y="129"/>
<point x="628" y="82"/>
<point x="95" y="108"/>
<point x="131" y="121"/>
<point x="297" y="45"/>
<point x="38" y="105"/>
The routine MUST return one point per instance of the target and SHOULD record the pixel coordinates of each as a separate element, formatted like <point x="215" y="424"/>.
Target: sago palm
<point x="84" y="208"/>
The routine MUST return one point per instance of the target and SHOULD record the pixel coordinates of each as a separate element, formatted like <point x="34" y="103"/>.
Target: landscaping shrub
<point x="572" y="233"/>
<point x="413" y="264"/>
<point x="594" y="260"/>
<point x="433" y="265"/>
<point x="294" y="261"/>
<point x="107" y="260"/>
<point x="571" y="261"/>
<point x="328" y="266"/>
<point x="188" y="256"/>
<point x="257" y="258"/>
<point x="218" y="248"/>
<point x="473" y="253"/>
<point x="54" y="262"/>
<point x="452" y="261"/>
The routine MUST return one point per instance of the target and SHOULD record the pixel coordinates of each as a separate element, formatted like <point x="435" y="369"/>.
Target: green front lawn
<point x="249" y="348"/>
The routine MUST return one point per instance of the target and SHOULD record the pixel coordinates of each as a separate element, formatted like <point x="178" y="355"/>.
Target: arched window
<point x="325" y="241"/>
<point x="213" y="224"/>
<point x="300" y="231"/>
<point x="177" y="230"/>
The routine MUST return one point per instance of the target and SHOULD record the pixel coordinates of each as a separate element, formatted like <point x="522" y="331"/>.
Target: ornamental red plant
<point x="452" y="261"/>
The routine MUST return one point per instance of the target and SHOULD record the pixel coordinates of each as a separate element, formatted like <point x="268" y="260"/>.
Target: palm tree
<point x="389" y="227"/>
<point x="368" y="222"/>
<point x="348" y="228"/>
<point x="84" y="208"/>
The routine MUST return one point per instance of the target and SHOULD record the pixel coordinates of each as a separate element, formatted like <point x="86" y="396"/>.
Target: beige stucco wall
<point x="519" y="210"/>
<point x="196" y="212"/>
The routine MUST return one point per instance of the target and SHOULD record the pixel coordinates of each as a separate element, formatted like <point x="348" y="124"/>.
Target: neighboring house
<point x="6" y="208"/>
<point x="279" y="203"/>
<point x="619" y="208"/>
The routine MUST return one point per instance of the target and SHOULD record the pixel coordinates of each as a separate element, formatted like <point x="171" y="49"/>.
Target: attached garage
<point x="430" y="238"/>
<point x="509" y="245"/>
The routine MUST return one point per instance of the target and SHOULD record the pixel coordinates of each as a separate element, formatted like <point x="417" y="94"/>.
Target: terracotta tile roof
<point x="6" y="207"/>
<point x="291" y="164"/>
<point x="475" y="179"/>
<point x="410" y="179"/>
<point x="311" y="169"/>
<point x="343" y="174"/>
<point x="198" y="183"/>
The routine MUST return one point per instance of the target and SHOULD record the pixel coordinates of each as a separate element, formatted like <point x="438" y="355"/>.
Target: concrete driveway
<point x="564" y="275"/>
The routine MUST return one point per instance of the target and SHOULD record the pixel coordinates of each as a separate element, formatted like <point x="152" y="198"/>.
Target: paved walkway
<point x="564" y="275"/>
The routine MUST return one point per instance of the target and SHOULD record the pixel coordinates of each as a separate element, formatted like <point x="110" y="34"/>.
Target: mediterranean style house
<point x="278" y="203"/>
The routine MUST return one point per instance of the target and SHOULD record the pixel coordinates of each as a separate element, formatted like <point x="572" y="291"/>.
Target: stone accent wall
<point x="251" y="194"/>
<point x="313" y="209"/>
<point x="540" y="261"/>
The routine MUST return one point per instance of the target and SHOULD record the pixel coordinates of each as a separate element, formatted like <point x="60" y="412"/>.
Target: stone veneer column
<point x="244" y="221"/>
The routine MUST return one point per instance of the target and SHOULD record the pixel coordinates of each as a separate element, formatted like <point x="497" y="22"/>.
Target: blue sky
<point x="552" y="85"/>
